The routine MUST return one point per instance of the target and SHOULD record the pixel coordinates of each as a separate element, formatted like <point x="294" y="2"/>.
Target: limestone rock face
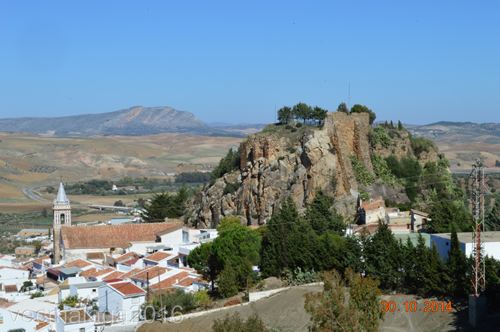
<point x="270" y="172"/>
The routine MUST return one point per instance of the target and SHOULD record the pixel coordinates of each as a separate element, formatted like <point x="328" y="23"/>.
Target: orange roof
<point x="187" y="269"/>
<point x="127" y="288"/>
<point x="201" y="280"/>
<point x="114" y="275"/>
<point x="102" y="272"/>
<point x="95" y="255"/>
<point x="373" y="206"/>
<point x="153" y="271"/>
<point x="169" y="282"/>
<point x="157" y="256"/>
<point x="28" y="266"/>
<point x="88" y="273"/>
<point x="420" y="213"/>
<point x="126" y="257"/>
<point x="79" y="263"/>
<point x="10" y="288"/>
<point x="129" y="274"/>
<point x="111" y="236"/>
<point x="41" y="259"/>
<point x="186" y="282"/>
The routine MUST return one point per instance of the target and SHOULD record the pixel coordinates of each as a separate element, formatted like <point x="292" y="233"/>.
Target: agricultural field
<point x="462" y="155"/>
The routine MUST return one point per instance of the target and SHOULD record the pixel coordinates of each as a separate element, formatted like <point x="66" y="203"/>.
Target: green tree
<point x="50" y="189"/>
<point x="204" y="260"/>
<point x="44" y="213"/>
<point x="141" y="202"/>
<point x="352" y="303"/>
<point x="285" y="114"/>
<point x="323" y="216"/>
<point x="457" y="268"/>
<point x="229" y="163"/>
<point x="227" y="283"/>
<point x="400" y="125"/>
<point x="234" y="323"/>
<point x="383" y="258"/>
<point x="302" y="111"/>
<point x="119" y="203"/>
<point x="228" y="223"/>
<point x="363" y="109"/>
<point x="37" y="245"/>
<point x="493" y="218"/>
<point x="165" y="205"/>
<point x="319" y="114"/>
<point x="343" y="108"/>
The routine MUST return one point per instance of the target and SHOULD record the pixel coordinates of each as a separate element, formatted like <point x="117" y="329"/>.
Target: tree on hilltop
<point x="363" y="109"/>
<point x="343" y="108"/>
<point x="302" y="111"/>
<point x="285" y="114"/>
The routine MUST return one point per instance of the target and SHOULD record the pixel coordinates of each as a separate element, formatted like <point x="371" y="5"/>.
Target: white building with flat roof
<point x="491" y="241"/>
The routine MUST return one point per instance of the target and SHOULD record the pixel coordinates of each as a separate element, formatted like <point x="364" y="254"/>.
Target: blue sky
<point x="233" y="61"/>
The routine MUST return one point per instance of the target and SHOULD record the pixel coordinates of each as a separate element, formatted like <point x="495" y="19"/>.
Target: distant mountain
<point x="133" y="121"/>
<point x="459" y="132"/>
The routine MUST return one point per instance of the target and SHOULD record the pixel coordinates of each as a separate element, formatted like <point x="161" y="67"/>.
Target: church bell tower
<point x="62" y="218"/>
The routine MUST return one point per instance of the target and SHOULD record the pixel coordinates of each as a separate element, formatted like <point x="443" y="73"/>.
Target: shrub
<point x="281" y="158"/>
<point x="235" y="323"/>
<point x="288" y="126"/>
<point x="379" y="134"/>
<point x="294" y="130"/>
<point x="203" y="299"/>
<point x="274" y="168"/>
<point x="422" y="144"/>
<point x="231" y="188"/>
<point x="298" y="125"/>
<point x="361" y="173"/>
<point x="292" y="150"/>
<point x="229" y="163"/>
<point x="332" y="150"/>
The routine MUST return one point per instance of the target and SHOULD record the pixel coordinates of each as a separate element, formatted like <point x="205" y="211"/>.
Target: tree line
<point x="303" y="112"/>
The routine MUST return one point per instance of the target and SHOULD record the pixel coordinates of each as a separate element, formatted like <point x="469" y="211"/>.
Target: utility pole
<point x="147" y="286"/>
<point x="161" y="298"/>
<point x="349" y="98"/>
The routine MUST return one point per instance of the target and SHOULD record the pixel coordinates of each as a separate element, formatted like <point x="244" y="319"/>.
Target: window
<point x="94" y="290"/>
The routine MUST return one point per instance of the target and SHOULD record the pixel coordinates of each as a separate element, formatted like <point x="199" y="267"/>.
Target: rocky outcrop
<point x="273" y="168"/>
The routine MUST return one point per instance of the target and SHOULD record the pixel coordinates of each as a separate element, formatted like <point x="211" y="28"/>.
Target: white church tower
<point x="62" y="218"/>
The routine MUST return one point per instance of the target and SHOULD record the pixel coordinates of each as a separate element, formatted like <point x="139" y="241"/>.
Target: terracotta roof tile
<point x="127" y="288"/>
<point x="10" y="288"/>
<point x="114" y="275"/>
<point x="130" y="273"/>
<point x="131" y="262"/>
<point x="420" y="213"/>
<point x="103" y="272"/>
<point x="127" y="256"/>
<point x="157" y="256"/>
<point x="201" y="280"/>
<point x="170" y="230"/>
<point x="153" y="272"/>
<point x="88" y="273"/>
<point x="41" y="259"/>
<point x="186" y="282"/>
<point x="95" y="255"/>
<point x="169" y="282"/>
<point x="373" y="206"/>
<point x="111" y="236"/>
<point x="79" y="263"/>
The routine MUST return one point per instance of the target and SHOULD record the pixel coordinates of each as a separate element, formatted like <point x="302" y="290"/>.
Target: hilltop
<point x="459" y="132"/>
<point x="136" y="120"/>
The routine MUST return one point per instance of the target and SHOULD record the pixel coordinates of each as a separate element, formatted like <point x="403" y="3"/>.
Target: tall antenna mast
<point x="349" y="98"/>
<point x="478" y="265"/>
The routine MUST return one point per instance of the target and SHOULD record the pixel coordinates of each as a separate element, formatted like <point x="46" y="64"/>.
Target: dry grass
<point x="24" y="207"/>
<point x="7" y="191"/>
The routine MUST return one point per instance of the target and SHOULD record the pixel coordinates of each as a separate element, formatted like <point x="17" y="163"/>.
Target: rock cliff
<point x="273" y="167"/>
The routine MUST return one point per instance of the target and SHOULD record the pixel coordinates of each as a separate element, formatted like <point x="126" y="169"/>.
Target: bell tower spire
<point x="62" y="218"/>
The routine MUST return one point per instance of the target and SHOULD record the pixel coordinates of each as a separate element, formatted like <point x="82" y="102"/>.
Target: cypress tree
<point x="456" y="267"/>
<point x="323" y="217"/>
<point x="400" y="125"/>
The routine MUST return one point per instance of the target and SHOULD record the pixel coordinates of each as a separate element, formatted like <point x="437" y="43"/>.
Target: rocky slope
<point x="274" y="167"/>
<point x="133" y="121"/>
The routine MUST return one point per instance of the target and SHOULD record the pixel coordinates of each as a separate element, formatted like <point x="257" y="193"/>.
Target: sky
<point x="235" y="61"/>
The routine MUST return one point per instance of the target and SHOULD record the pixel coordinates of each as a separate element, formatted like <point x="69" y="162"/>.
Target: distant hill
<point x="133" y="121"/>
<point x="459" y="132"/>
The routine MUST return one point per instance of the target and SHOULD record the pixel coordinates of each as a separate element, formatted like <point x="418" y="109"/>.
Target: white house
<point x="86" y="290"/>
<point x="122" y="299"/>
<point x="13" y="276"/>
<point x="74" y="320"/>
<point x="491" y="241"/>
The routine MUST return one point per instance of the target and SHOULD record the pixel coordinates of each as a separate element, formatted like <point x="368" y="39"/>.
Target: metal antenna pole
<point x="478" y="266"/>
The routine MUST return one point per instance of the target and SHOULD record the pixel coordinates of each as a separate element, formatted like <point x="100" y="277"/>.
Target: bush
<point x="288" y="126"/>
<point x="229" y="163"/>
<point x="177" y="301"/>
<point x="361" y="173"/>
<point x="235" y="323"/>
<point x="203" y="299"/>
<point x="422" y="144"/>
<point x="298" y="125"/>
<point x="294" y="130"/>
<point x="292" y="150"/>
<point x="119" y="203"/>
<point x="231" y="188"/>
<point x="379" y="134"/>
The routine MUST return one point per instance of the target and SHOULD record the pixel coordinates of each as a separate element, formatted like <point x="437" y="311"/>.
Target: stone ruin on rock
<point x="270" y="172"/>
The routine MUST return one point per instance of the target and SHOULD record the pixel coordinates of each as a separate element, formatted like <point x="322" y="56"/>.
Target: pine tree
<point x="228" y="281"/>
<point x="456" y="267"/>
<point x="383" y="258"/>
<point x="322" y="216"/>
